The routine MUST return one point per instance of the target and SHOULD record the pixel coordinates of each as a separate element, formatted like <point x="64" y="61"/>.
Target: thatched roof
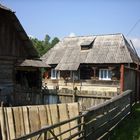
<point x="105" y="49"/>
<point x="13" y="19"/>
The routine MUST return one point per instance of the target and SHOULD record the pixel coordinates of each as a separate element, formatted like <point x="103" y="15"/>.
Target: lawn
<point x="129" y="129"/>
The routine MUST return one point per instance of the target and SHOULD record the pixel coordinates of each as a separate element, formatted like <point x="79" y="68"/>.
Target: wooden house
<point x="19" y="61"/>
<point x="96" y="63"/>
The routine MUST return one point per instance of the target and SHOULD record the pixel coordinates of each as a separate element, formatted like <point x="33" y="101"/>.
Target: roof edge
<point x="6" y="8"/>
<point x="94" y="35"/>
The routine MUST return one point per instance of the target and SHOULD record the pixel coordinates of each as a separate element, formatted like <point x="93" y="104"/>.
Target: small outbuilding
<point x="20" y="73"/>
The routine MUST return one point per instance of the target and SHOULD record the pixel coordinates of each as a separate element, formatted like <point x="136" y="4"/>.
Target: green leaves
<point x="42" y="46"/>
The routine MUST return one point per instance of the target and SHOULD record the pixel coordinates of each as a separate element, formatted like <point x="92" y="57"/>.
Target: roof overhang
<point x="67" y="66"/>
<point x="32" y="63"/>
<point x="87" y="42"/>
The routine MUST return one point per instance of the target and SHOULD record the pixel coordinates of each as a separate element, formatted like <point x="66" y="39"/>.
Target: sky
<point x="61" y="18"/>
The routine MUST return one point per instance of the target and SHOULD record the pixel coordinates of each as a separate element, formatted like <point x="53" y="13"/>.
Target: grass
<point x="129" y="128"/>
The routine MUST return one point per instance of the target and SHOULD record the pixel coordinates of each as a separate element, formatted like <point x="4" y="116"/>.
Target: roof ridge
<point x="5" y="8"/>
<point x="93" y="35"/>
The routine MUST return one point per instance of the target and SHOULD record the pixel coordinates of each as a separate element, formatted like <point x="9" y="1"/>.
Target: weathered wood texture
<point x="85" y="98"/>
<point x="6" y="67"/>
<point x="6" y="79"/>
<point x="100" y="120"/>
<point x="14" y="45"/>
<point x="26" y="96"/>
<point x="19" y="121"/>
<point x="97" y="121"/>
<point x="130" y="78"/>
<point x="11" y="44"/>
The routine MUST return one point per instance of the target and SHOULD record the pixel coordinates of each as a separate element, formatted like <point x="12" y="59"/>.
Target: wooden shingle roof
<point x="105" y="49"/>
<point x="32" y="63"/>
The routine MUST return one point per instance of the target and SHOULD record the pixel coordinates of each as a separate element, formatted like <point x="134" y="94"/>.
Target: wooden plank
<point x="22" y="128"/>
<point x="63" y="113"/>
<point x="73" y="109"/>
<point x="43" y="118"/>
<point x="11" y="122"/>
<point x="26" y="120"/>
<point x="54" y="117"/>
<point x="19" y="121"/>
<point x="34" y="119"/>
<point x="6" y="123"/>
<point x="3" y="124"/>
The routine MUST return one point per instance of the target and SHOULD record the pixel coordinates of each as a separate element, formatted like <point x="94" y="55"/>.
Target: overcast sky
<point x="80" y="17"/>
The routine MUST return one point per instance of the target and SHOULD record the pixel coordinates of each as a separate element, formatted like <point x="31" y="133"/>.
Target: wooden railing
<point x="96" y="123"/>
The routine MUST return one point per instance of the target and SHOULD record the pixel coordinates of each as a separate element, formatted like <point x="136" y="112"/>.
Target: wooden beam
<point x="122" y="78"/>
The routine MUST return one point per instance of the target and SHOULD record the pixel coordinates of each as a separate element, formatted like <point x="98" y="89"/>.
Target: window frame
<point x="55" y="74"/>
<point x="104" y="74"/>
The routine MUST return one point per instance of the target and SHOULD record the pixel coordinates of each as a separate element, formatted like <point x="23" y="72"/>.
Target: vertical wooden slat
<point x="26" y="120"/>
<point x="122" y="78"/>
<point x="63" y="112"/>
<point x="6" y="123"/>
<point x="43" y="118"/>
<point x="34" y="119"/>
<point x="11" y="122"/>
<point x="73" y="109"/>
<point x="3" y="124"/>
<point x="49" y="119"/>
<point x="22" y="128"/>
<point x="17" y="122"/>
<point x="55" y="117"/>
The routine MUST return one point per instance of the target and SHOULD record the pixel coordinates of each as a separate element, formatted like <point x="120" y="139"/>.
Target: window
<point x="55" y="74"/>
<point x="104" y="74"/>
<point x="86" y="45"/>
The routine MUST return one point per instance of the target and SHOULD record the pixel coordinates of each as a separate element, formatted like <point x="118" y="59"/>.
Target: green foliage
<point x="42" y="46"/>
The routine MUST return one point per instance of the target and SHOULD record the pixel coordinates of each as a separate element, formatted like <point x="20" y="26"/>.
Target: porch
<point x="86" y="77"/>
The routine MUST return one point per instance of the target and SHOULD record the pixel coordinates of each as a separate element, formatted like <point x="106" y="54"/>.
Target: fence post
<point x="74" y="94"/>
<point x="122" y="78"/>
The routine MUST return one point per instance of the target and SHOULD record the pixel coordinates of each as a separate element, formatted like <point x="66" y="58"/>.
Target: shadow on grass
<point x="129" y="128"/>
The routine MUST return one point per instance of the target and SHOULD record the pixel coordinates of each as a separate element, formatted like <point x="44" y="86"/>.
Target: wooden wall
<point x="13" y="47"/>
<point x="6" y="80"/>
<point x="6" y="72"/>
<point x="10" y="42"/>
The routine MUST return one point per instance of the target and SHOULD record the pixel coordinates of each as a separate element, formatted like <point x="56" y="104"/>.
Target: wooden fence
<point x="95" y="123"/>
<point x="100" y="120"/>
<point x="85" y="98"/>
<point x="18" y="121"/>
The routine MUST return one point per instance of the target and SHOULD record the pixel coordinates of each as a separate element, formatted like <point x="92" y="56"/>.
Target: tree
<point x="54" y="41"/>
<point x="42" y="46"/>
<point x="47" y="39"/>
